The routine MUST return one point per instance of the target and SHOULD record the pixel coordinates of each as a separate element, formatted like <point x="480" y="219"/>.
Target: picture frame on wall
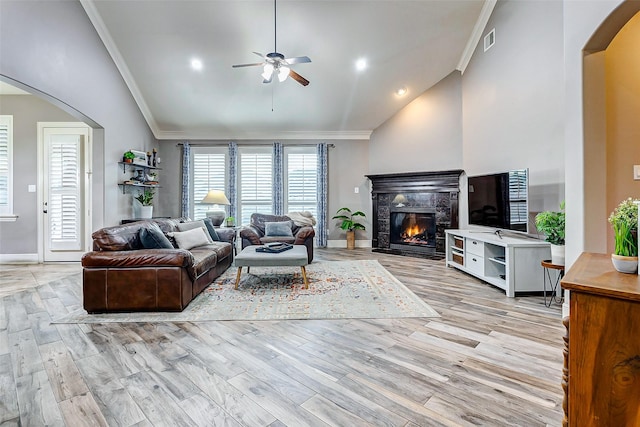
<point x="141" y="157"/>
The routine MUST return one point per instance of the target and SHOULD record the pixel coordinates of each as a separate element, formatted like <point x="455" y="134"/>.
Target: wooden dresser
<point x="601" y="377"/>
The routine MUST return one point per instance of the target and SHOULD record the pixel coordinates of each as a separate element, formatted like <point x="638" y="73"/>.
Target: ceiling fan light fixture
<point x="268" y="71"/>
<point x="283" y="73"/>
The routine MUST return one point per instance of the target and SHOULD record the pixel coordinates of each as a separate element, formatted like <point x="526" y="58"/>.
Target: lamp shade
<point x="215" y="197"/>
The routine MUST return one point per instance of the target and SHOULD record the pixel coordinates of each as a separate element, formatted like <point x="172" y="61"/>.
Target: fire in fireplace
<point x="413" y="228"/>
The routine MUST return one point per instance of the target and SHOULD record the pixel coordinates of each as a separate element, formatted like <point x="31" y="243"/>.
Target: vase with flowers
<point x="624" y="220"/>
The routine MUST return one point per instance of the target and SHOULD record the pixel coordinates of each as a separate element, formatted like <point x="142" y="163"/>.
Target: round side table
<point x="547" y="266"/>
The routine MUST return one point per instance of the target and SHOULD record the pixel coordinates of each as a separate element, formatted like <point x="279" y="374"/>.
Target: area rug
<point x="337" y="290"/>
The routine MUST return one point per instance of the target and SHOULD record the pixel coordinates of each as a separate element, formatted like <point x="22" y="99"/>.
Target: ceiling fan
<point x="276" y="63"/>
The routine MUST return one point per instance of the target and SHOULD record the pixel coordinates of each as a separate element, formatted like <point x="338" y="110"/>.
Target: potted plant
<point x="551" y="224"/>
<point x="349" y="224"/>
<point x="230" y="221"/>
<point x="624" y="220"/>
<point x="143" y="204"/>
<point x="128" y="157"/>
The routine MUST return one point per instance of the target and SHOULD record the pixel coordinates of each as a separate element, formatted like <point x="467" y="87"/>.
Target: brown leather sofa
<point x="121" y="276"/>
<point x="254" y="233"/>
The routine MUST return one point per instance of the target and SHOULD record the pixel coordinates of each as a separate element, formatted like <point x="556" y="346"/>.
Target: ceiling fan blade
<point x="297" y="77"/>
<point x="297" y="60"/>
<point x="259" y="54"/>
<point x="247" y="65"/>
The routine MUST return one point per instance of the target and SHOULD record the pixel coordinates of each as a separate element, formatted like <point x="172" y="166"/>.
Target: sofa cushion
<point x="191" y="238"/>
<point x="212" y="230"/>
<point x="280" y="228"/>
<point x="207" y="257"/>
<point x="272" y="239"/>
<point x="152" y="237"/>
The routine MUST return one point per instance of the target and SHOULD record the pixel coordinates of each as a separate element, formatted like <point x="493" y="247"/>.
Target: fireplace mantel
<point x="430" y="191"/>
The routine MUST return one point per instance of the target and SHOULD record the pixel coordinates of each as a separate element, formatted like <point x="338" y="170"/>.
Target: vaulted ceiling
<point x="411" y="44"/>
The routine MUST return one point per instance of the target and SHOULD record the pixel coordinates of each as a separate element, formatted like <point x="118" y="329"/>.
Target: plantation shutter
<point x="518" y="197"/>
<point x="65" y="197"/>
<point x="209" y="173"/>
<point x="302" y="182"/>
<point x="5" y="164"/>
<point x="256" y="184"/>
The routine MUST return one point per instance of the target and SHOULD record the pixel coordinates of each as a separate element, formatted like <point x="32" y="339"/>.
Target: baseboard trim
<point x="18" y="258"/>
<point x="342" y="243"/>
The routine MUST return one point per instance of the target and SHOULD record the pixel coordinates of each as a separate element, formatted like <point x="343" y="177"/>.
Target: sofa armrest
<point x="303" y="234"/>
<point x="139" y="258"/>
<point x="226" y="234"/>
<point x="251" y="234"/>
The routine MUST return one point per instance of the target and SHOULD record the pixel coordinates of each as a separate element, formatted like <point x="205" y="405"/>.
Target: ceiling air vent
<point x="489" y="39"/>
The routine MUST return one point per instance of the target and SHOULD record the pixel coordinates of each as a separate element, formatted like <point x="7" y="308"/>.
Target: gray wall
<point x="53" y="47"/>
<point x="426" y="135"/>
<point x="19" y="237"/>
<point x="513" y="110"/>
<point x="348" y="165"/>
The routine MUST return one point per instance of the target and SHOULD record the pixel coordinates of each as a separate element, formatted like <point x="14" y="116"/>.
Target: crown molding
<point x="104" y="34"/>
<point x="476" y="34"/>
<point x="257" y="135"/>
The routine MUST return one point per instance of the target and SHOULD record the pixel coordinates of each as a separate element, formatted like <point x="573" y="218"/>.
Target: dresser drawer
<point x="475" y="264"/>
<point x="474" y="246"/>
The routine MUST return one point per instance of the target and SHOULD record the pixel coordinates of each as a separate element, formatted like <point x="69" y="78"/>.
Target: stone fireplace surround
<point x="429" y="192"/>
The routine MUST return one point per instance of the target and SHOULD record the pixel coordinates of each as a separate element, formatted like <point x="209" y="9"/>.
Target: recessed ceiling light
<point x="361" y="64"/>
<point x="196" y="64"/>
<point x="401" y="91"/>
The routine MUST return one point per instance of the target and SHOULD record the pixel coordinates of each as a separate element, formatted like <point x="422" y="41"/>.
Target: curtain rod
<point x="206" y="144"/>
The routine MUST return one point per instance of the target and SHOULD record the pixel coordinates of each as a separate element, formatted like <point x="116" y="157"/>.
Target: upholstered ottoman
<point x="294" y="257"/>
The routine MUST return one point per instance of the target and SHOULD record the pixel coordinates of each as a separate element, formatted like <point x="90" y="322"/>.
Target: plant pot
<point x="128" y="160"/>
<point x="351" y="239"/>
<point x="625" y="264"/>
<point x="557" y="254"/>
<point x="140" y="211"/>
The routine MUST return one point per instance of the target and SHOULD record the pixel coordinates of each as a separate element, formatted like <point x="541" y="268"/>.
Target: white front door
<point x="65" y="151"/>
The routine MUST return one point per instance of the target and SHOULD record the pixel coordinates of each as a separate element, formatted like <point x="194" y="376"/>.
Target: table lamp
<point x="217" y="213"/>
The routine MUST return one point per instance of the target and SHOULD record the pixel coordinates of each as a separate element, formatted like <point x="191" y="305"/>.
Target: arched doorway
<point x="611" y="105"/>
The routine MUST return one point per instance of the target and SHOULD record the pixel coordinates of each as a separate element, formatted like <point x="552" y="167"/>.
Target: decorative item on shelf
<point x="216" y="198"/>
<point x="230" y="221"/>
<point x="148" y="158"/>
<point x="624" y="220"/>
<point x="551" y="224"/>
<point x="349" y="224"/>
<point x="399" y="201"/>
<point x="128" y="157"/>
<point x="140" y="157"/>
<point x="139" y="177"/>
<point x="151" y="179"/>
<point x="154" y="162"/>
<point x="143" y="204"/>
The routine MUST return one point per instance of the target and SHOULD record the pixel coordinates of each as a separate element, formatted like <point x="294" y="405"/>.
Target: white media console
<point x="510" y="263"/>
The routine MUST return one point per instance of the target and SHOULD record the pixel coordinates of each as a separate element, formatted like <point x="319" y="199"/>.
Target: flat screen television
<point x="500" y="200"/>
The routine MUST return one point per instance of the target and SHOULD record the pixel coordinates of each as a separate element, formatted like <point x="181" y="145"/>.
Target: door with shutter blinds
<point x="65" y="199"/>
<point x="301" y="180"/>
<point x="256" y="183"/>
<point x="209" y="173"/>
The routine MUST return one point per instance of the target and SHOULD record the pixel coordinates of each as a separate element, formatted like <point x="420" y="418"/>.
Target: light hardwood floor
<point x="489" y="360"/>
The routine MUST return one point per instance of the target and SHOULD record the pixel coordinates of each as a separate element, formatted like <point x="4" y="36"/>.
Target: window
<point x="255" y="192"/>
<point x="301" y="182"/>
<point x="6" y="166"/>
<point x="518" y="196"/>
<point x="209" y="173"/>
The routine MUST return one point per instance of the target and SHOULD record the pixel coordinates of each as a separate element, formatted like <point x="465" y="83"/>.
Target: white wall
<point x="424" y="136"/>
<point x="53" y="47"/>
<point x="511" y="100"/>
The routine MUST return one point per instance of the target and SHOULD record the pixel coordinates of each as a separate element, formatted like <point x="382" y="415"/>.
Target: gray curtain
<point x="232" y="191"/>
<point x="278" y="179"/>
<point x="321" y="225"/>
<point x="186" y="174"/>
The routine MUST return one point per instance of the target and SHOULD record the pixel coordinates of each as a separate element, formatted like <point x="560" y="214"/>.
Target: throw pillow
<point x="212" y="230"/>
<point x="190" y="225"/>
<point x="191" y="238"/>
<point x="152" y="237"/>
<point x="281" y="229"/>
